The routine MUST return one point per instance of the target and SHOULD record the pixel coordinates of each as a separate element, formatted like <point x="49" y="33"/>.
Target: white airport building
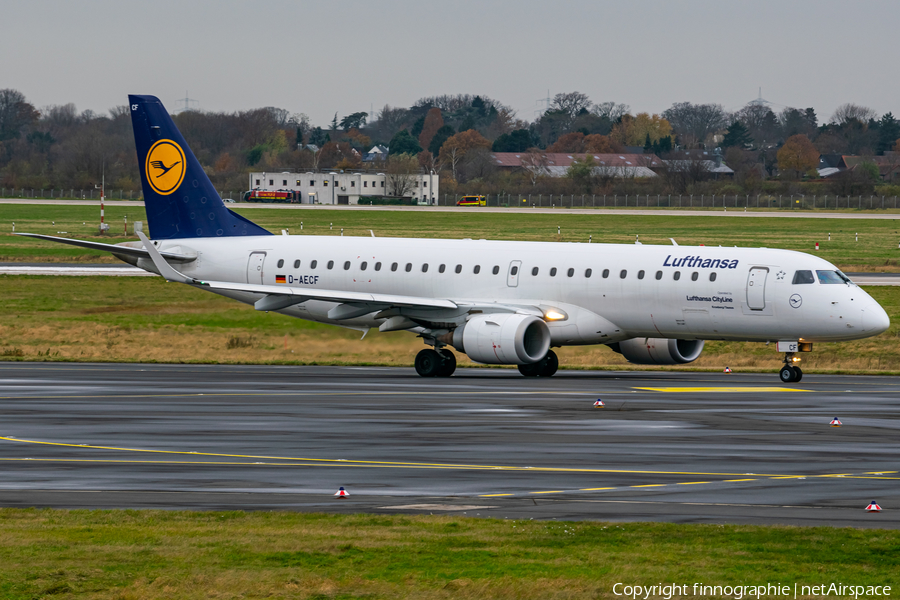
<point x="333" y="187"/>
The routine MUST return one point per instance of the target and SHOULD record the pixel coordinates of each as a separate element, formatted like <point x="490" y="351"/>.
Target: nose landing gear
<point x="789" y="372"/>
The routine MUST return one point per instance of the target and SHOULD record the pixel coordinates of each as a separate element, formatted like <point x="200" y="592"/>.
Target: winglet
<point x="164" y="268"/>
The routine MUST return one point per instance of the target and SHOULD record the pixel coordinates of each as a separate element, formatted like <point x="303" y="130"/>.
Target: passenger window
<point x="312" y="265"/>
<point x="605" y="273"/>
<point x="712" y="276"/>
<point x="280" y="262"/>
<point x="393" y="266"/>
<point x="425" y="268"/>
<point x="553" y="272"/>
<point x="534" y="271"/>
<point x="347" y="265"/>
<point x="803" y="277"/>
<point x="570" y="272"/>
<point x="408" y="267"/>
<point x="514" y="271"/>
<point x="363" y="265"/>
<point x="623" y="274"/>
<point x="658" y="275"/>
<point x="495" y="270"/>
<point x="587" y="273"/>
<point x="640" y="274"/>
<point x="378" y="266"/>
<point x="676" y="275"/>
<point x="442" y="268"/>
<point x="330" y="264"/>
<point x="458" y="268"/>
<point x="296" y="264"/>
<point x="694" y="276"/>
<point x="477" y="269"/>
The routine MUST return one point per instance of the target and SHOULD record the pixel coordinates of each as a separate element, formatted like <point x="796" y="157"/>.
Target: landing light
<point x="555" y="315"/>
<point x="795" y="359"/>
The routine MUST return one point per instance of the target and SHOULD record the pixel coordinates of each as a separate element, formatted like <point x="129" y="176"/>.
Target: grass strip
<point x="124" y="319"/>
<point x="155" y="554"/>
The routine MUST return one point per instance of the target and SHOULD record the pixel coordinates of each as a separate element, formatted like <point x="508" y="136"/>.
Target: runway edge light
<point x="341" y="493"/>
<point x="727" y="370"/>
<point x="873" y="507"/>
<point x="599" y="402"/>
<point x="835" y="422"/>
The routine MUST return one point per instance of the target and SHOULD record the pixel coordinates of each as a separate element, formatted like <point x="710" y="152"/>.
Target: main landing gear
<point x="790" y="373"/>
<point x="545" y="367"/>
<point x="435" y="363"/>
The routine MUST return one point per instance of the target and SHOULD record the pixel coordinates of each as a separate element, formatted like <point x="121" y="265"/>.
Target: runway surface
<point x="680" y="447"/>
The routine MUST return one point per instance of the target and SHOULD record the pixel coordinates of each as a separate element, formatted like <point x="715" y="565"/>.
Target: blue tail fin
<point x="180" y="200"/>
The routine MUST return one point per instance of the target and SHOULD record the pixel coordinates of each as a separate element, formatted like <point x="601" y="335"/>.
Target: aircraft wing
<point x="282" y="296"/>
<point x="125" y="250"/>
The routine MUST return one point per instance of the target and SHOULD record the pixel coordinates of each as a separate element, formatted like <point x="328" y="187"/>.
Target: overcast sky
<point x="320" y="58"/>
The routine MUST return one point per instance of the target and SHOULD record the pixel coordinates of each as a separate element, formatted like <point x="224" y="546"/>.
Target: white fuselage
<point x="607" y="292"/>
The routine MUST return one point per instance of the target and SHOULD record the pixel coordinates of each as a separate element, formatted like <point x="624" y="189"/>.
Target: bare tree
<point x="610" y="110"/>
<point x="849" y="112"/>
<point x="696" y="122"/>
<point x="535" y="164"/>
<point x="761" y="123"/>
<point x="571" y="103"/>
<point x="400" y="172"/>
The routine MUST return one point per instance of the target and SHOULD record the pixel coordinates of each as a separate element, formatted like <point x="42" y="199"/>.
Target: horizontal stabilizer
<point x="124" y="250"/>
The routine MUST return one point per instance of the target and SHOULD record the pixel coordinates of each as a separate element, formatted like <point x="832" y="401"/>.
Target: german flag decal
<point x="280" y="279"/>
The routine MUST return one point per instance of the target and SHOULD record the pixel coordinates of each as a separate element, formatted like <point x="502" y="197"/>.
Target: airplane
<point x="498" y="302"/>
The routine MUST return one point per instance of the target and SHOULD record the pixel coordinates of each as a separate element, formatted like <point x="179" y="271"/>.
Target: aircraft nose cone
<point x="875" y="320"/>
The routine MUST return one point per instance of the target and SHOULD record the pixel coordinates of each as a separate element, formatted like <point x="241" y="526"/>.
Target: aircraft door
<point x="756" y="288"/>
<point x="512" y="276"/>
<point x="255" y="267"/>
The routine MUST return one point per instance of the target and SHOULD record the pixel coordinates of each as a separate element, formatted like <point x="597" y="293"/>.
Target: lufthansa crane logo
<point x="165" y="167"/>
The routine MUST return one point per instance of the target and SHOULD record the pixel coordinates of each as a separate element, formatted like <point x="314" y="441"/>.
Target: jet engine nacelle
<point x="503" y="339"/>
<point x="659" y="351"/>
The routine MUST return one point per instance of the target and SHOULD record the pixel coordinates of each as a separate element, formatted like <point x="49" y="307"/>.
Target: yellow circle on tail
<point x="165" y="167"/>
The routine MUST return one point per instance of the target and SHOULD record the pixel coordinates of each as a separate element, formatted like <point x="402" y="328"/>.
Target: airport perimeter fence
<point x="682" y="201"/>
<point x="686" y="201"/>
<point x="73" y="194"/>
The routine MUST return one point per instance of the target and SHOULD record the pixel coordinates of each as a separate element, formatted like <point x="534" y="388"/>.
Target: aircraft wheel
<point x="428" y="363"/>
<point x="529" y="370"/>
<point x="787" y="374"/>
<point x="549" y="365"/>
<point x="798" y="374"/>
<point x="448" y="363"/>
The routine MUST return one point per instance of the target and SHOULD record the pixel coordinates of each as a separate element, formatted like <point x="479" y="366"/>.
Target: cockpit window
<point x="826" y="277"/>
<point x="803" y="277"/>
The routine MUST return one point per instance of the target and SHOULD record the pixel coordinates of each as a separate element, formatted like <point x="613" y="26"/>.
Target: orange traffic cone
<point x="341" y="493"/>
<point x="873" y="507"/>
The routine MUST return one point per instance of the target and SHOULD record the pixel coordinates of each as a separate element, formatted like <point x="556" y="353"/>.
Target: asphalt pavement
<point x="679" y="447"/>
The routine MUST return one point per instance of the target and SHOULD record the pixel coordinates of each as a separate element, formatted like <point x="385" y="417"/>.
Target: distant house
<point x="556" y="164"/>
<point x="829" y="164"/>
<point x="888" y="165"/>
<point x="376" y="153"/>
<point x="710" y="161"/>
